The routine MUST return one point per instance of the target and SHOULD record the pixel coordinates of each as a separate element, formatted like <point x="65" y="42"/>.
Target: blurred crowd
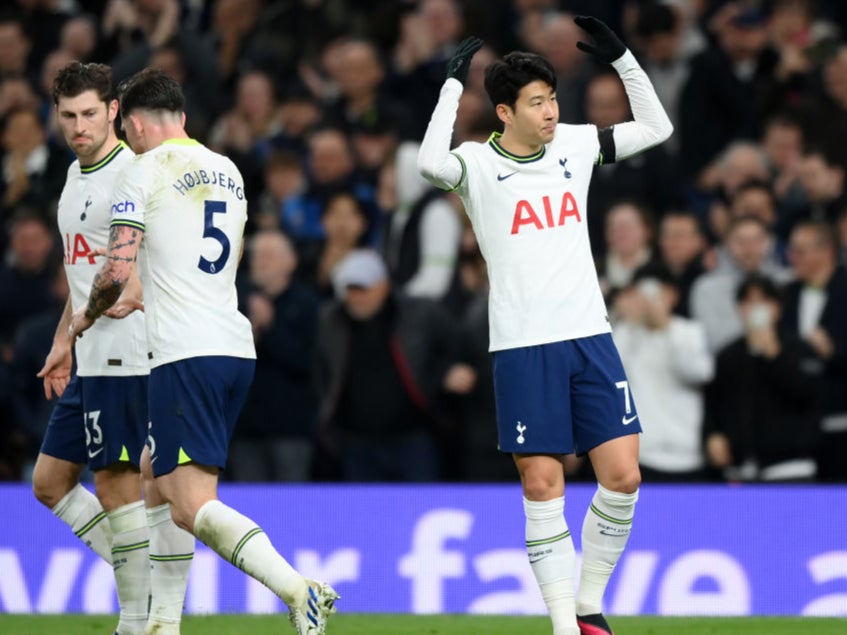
<point x="721" y="252"/>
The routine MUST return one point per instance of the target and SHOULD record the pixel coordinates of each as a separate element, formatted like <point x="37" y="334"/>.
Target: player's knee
<point x="48" y="489"/>
<point x="182" y="517"/>
<point x="625" y="482"/>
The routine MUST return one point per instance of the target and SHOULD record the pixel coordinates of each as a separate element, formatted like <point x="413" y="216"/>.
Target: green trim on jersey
<point x="464" y="173"/>
<point x="181" y="142"/>
<point x="128" y="223"/>
<point x="88" y="169"/>
<point x="494" y="142"/>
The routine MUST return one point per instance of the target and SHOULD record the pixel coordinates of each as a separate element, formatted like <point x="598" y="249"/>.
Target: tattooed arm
<point x="111" y="279"/>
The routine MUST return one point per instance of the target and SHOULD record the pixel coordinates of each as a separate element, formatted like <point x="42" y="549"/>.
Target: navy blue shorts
<point x="562" y="397"/>
<point x="99" y="421"/>
<point x="194" y="405"/>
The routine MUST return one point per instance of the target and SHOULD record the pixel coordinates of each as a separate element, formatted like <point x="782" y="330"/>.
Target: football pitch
<point x="361" y="624"/>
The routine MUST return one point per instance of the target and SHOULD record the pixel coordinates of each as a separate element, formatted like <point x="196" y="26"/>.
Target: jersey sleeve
<point x="651" y="126"/>
<point x="128" y="198"/>
<point x="436" y="163"/>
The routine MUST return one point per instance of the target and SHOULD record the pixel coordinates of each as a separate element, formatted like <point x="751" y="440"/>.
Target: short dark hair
<point x="655" y="18"/>
<point x="76" y="78"/>
<point x="150" y="89"/>
<point x="505" y="78"/>
<point x="762" y="283"/>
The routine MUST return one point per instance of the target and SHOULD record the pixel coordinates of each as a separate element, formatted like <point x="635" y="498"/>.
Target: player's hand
<point x="80" y="323"/>
<point x="123" y="307"/>
<point x="460" y="379"/>
<point x="460" y="63"/>
<point x="607" y="46"/>
<point x="56" y="371"/>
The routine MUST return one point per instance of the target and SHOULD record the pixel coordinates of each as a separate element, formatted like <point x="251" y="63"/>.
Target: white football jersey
<point x="528" y="214"/>
<point x="189" y="201"/>
<point x="110" y="347"/>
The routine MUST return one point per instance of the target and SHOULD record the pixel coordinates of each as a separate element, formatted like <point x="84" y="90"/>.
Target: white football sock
<point x="171" y="553"/>
<point x="130" y="545"/>
<point x="239" y="540"/>
<point x="83" y="513"/>
<point x="605" y="532"/>
<point x="550" y="549"/>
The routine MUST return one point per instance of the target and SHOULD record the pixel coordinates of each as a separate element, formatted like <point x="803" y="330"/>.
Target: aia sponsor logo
<point x="76" y="248"/>
<point x="529" y="217"/>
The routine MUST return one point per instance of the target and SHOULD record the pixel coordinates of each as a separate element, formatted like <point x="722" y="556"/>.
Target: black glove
<point x="607" y="46"/>
<point x="461" y="61"/>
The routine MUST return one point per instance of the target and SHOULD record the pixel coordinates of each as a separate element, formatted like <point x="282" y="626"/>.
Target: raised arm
<point x="652" y="125"/>
<point x="436" y="164"/>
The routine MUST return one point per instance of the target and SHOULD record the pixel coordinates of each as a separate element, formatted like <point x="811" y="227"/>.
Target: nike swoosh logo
<point x="91" y="454"/>
<point x="613" y="534"/>
<point x="503" y="178"/>
<point x="537" y="560"/>
<point x="627" y="420"/>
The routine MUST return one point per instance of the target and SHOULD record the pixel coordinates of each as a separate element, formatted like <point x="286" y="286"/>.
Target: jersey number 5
<point x="215" y="233"/>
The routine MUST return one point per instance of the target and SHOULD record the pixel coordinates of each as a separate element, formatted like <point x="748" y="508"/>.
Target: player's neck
<point x="512" y="144"/>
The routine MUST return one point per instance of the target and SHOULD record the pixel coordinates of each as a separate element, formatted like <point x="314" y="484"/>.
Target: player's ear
<point x="113" y="110"/>
<point x="182" y="119"/>
<point x="504" y="113"/>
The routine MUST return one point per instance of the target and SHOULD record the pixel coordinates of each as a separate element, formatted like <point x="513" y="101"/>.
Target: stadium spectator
<point x="29" y="349"/>
<point x="713" y="303"/>
<point x="739" y="163"/>
<point x="681" y="250"/>
<point x="428" y="36"/>
<point x="361" y="103"/>
<point x="27" y="272"/>
<point x="331" y="168"/>
<point x="33" y="171"/>
<point x="659" y="32"/>
<point x="667" y="361"/>
<point x="346" y="223"/>
<point x="783" y="140"/>
<point x="284" y="178"/>
<point x="823" y="176"/>
<point x="815" y="310"/>
<point x="422" y="231"/>
<point x="78" y="37"/>
<point x="761" y="405"/>
<point x="718" y="104"/>
<point x="382" y="362"/>
<point x="15" y="49"/>
<point x="629" y="246"/>
<point x="246" y="131"/>
<point x="274" y="438"/>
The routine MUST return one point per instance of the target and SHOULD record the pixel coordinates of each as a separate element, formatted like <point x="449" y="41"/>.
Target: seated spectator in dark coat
<point x="27" y="273"/>
<point x="274" y="438"/>
<point x="761" y="407"/>
<point x="383" y="359"/>
<point x="816" y="311"/>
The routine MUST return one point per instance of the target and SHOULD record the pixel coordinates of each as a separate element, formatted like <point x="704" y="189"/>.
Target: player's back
<point x="190" y="203"/>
